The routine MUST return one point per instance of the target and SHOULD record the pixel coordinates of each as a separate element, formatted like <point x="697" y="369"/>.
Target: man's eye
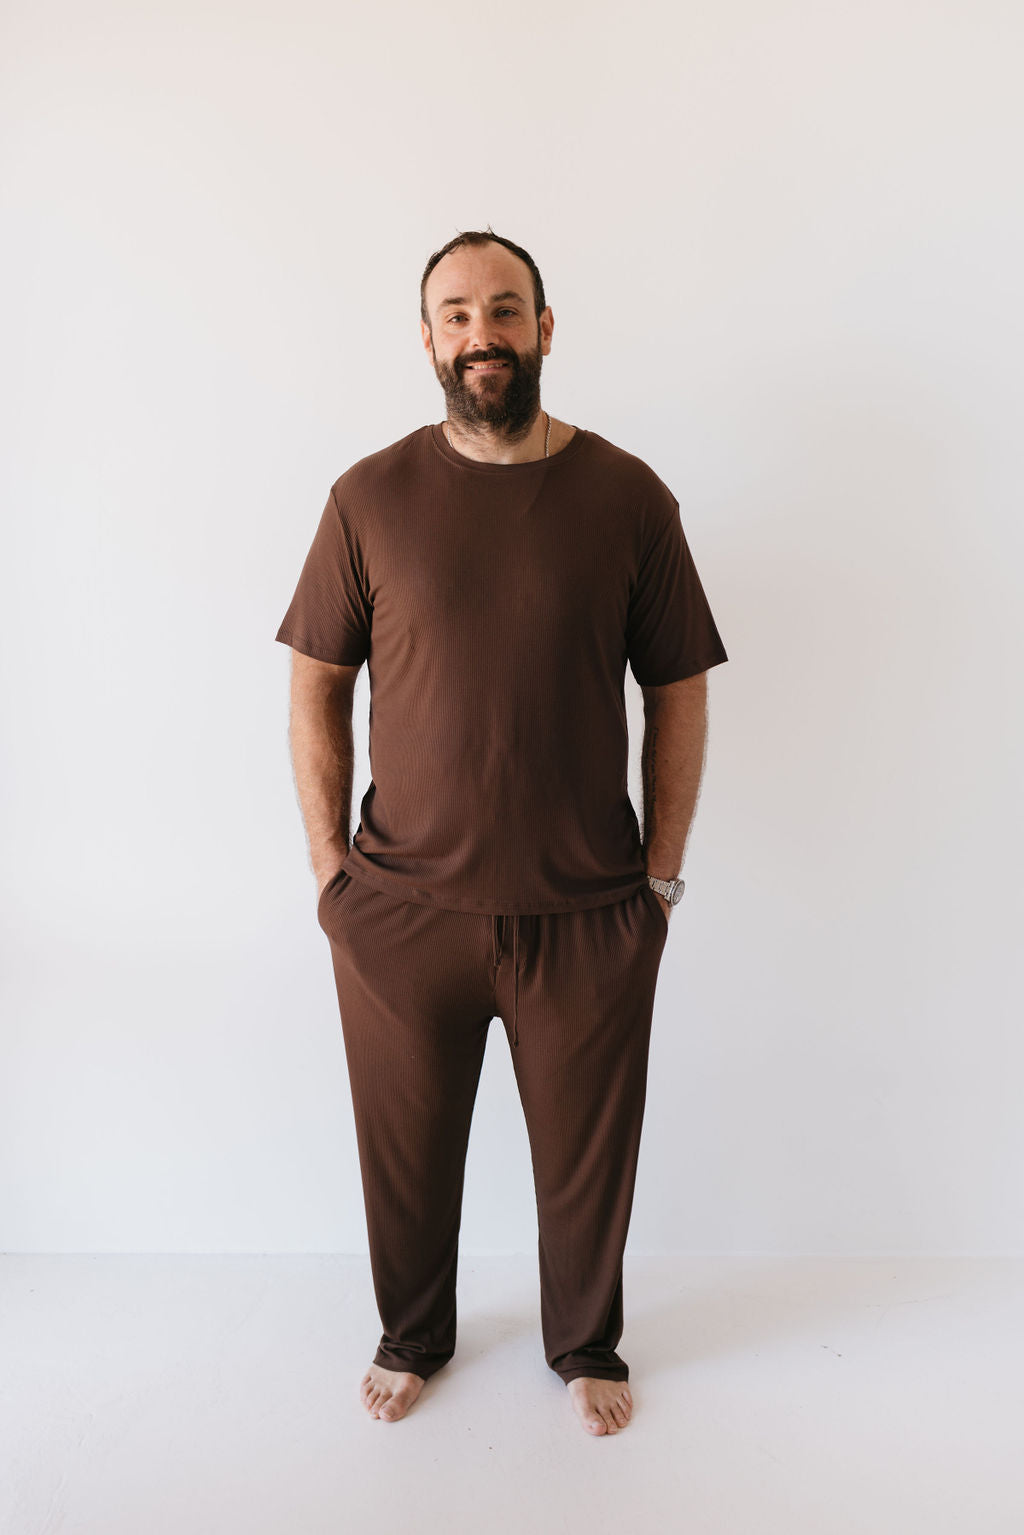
<point x="452" y="317"/>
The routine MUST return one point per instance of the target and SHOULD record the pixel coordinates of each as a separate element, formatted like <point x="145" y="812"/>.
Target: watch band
<point x="671" y="889"/>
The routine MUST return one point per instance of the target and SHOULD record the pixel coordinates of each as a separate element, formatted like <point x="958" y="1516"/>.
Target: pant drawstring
<point x="496" y="947"/>
<point x="515" y="980"/>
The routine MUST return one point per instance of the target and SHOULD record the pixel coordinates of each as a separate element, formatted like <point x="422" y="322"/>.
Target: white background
<point x="782" y="244"/>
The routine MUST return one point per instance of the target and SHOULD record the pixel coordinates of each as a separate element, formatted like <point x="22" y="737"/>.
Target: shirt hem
<point x="685" y="672"/>
<point x="356" y="864"/>
<point x="312" y="649"/>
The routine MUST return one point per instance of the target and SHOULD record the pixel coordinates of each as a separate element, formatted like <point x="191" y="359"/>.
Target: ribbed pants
<point x="417" y="988"/>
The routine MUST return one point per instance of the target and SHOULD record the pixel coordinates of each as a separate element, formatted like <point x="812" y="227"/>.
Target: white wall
<point x="782" y="244"/>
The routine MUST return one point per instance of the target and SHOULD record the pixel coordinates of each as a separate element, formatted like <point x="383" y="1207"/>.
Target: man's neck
<point x="489" y="447"/>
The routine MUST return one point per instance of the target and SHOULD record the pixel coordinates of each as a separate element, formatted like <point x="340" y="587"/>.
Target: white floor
<point x="218" y="1396"/>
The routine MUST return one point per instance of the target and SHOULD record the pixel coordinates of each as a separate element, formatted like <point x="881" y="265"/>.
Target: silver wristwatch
<point x="671" y="889"/>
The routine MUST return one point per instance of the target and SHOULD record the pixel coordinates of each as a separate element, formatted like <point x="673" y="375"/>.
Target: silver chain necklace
<point x="547" y="440"/>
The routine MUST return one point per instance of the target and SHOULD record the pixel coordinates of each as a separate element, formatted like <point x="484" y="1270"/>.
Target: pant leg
<point x="415" y="994"/>
<point x="584" y="1008"/>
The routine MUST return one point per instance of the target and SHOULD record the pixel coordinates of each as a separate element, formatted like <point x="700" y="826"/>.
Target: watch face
<point x="677" y="895"/>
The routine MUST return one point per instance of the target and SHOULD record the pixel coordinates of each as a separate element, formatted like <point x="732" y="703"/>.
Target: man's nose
<point x="483" y="337"/>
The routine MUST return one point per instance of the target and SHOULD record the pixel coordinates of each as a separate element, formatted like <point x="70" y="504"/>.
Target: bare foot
<point x="603" y="1406"/>
<point x="389" y="1394"/>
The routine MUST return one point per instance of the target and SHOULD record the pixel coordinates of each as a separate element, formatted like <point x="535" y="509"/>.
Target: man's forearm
<point x="323" y="761"/>
<point x="672" y="765"/>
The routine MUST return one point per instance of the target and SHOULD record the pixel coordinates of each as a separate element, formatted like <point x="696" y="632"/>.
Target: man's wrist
<point x="671" y="888"/>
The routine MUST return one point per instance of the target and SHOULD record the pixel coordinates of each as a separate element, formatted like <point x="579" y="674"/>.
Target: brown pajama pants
<point x="418" y="986"/>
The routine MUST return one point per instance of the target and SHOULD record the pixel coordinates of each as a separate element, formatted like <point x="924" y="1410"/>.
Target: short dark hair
<point x="481" y="237"/>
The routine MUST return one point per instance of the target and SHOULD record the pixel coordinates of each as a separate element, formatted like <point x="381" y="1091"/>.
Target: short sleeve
<point x="671" y="633"/>
<point x="330" y="615"/>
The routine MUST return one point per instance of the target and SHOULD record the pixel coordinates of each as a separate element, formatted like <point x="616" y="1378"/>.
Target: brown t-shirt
<point x="497" y="606"/>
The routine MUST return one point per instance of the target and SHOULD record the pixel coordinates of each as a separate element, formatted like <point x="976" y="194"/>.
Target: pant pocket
<point x="654" y="900"/>
<point x="331" y="893"/>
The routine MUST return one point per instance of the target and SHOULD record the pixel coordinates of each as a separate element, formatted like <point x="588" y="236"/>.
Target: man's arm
<point x="320" y="731"/>
<point x="672" y="765"/>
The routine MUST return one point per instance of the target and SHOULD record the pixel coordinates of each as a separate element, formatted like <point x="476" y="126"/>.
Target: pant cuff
<point x="423" y="1365"/>
<point x="595" y="1371"/>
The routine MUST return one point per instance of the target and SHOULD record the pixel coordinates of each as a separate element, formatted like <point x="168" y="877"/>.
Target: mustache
<point x="465" y="362"/>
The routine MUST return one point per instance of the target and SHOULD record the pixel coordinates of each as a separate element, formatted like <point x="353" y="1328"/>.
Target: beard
<point x="507" y="401"/>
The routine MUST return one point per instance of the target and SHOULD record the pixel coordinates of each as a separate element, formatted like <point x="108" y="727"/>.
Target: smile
<point x="486" y="367"/>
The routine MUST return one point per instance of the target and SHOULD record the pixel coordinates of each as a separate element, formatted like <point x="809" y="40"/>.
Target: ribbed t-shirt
<point x="496" y="607"/>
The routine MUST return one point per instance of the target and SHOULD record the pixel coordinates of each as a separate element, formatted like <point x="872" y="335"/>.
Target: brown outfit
<point x="498" y="855"/>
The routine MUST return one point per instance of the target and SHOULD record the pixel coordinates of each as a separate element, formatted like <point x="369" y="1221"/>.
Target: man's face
<point x="493" y="322"/>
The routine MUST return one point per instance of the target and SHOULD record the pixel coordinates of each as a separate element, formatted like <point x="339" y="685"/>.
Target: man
<point x="497" y="571"/>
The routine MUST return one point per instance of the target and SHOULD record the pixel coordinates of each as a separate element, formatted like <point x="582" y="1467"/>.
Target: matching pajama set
<point x="497" y="869"/>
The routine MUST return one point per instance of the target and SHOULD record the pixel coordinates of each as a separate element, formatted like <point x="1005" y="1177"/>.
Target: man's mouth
<point x="485" y="367"/>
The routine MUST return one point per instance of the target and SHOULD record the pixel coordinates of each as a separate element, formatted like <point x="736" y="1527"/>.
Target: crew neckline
<point x="453" y="455"/>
